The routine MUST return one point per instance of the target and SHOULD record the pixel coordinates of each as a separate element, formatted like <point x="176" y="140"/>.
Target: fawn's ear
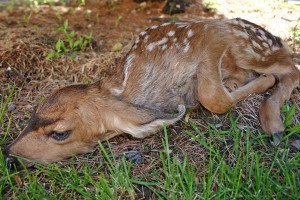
<point x="138" y="121"/>
<point x="145" y="128"/>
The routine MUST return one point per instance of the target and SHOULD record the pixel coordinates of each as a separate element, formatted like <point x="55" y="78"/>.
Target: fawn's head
<point x="58" y="127"/>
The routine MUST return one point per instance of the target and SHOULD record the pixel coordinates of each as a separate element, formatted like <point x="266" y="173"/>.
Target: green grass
<point x="239" y="170"/>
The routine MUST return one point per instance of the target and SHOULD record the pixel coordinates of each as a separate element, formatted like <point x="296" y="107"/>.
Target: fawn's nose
<point x="12" y="162"/>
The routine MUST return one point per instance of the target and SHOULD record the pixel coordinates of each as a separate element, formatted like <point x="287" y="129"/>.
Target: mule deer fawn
<point x="170" y="67"/>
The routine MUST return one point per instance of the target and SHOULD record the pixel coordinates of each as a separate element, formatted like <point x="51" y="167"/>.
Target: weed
<point x="210" y="5"/>
<point x="27" y="18"/>
<point x="81" y="2"/>
<point x="174" y="19"/>
<point x="72" y="44"/>
<point x="114" y="3"/>
<point x="288" y="112"/>
<point x="4" y="105"/>
<point x="88" y="14"/>
<point x="35" y="3"/>
<point x="295" y="34"/>
<point x="60" y="49"/>
<point x="36" y="27"/>
<point x="97" y="18"/>
<point x="57" y="14"/>
<point x="118" y="20"/>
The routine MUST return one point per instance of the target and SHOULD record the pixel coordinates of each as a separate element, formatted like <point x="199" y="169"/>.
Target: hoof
<point x="276" y="138"/>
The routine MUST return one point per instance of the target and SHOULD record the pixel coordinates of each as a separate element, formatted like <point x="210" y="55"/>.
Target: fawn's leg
<point x="269" y="112"/>
<point x="212" y="92"/>
<point x="213" y="95"/>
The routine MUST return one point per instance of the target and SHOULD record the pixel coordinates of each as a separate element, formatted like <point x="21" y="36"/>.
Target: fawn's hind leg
<point x="213" y="95"/>
<point x="269" y="112"/>
<point x="212" y="92"/>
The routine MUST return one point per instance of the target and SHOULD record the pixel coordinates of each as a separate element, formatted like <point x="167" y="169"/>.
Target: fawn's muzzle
<point x="12" y="162"/>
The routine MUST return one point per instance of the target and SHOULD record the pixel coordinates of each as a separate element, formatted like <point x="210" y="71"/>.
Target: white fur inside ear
<point x="144" y="130"/>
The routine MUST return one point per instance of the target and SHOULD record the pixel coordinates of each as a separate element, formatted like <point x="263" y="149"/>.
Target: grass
<point x="236" y="170"/>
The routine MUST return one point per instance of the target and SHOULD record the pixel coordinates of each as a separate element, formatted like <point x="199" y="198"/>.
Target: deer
<point x="170" y="67"/>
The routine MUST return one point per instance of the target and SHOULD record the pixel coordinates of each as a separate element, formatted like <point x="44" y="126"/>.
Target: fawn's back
<point x="166" y="62"/>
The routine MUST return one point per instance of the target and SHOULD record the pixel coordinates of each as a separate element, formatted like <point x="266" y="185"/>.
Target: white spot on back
<point x="249" y="50"/>
<point x="154" y="27"/>
<point x="166" y="24"/>
<point x="190" y="33"/>
<point x="235" y="21"/>
<point x="186" y="48"/>
<point x="265" y="38"/>
<point x="182" y="25"/>
<point x="240" y="34"/>
<point x="171" y="33"/>
<point x="261" y="32"/>
<point x="265" y="44"/>
<point x="270" y="42"/>
<point x="267" y="52"/>
<point x="146" y="38"/>
<point x="242" y="24"/>
<point x="137" y="40"/>
<point x="174" y="39"/>
<point x="152" y="45"/>
<point x="206" y="26"/>
<point x="164" y="47"/>
<point x="143" y="33"/>
<point x="249" y="26"/>
<point x="274" y="48"/>
<point x="255" y="44"/>
<point x="187" y="45"/>
<point x="253" y="29"/>
<point x="260" y="38"/>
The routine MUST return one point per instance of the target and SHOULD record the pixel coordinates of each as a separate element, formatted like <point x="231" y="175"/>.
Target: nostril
<point x="10" y="160"/>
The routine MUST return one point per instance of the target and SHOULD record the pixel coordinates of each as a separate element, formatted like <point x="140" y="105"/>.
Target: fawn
<point x="170" y="67"/>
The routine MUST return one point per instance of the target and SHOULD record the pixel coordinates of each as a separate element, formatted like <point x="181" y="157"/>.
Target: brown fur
<point x="170" y="67"/>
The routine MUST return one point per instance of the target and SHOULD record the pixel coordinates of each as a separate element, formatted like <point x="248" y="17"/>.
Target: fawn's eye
<point x="60" y="135"/>
<point x="235" y="85"/>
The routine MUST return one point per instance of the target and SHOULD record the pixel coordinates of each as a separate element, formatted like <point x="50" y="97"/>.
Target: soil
<point x="28" y="36"/>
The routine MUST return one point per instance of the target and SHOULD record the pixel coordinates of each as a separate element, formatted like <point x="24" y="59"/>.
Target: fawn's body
<point x="170" y="67"/>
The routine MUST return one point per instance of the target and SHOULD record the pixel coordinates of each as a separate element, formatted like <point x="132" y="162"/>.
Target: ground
<point x="28" y="36"/>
